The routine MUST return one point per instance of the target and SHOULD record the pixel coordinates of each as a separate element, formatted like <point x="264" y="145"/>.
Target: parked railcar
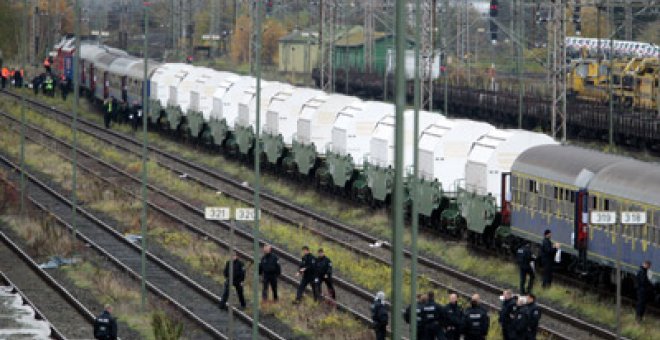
<point x="281" y="122"/>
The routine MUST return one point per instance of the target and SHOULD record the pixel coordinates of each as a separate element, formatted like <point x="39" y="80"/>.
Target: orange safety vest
<point x="22" y="73"/>
<point x="46" y="62"/>
<point x="5" y="72"/>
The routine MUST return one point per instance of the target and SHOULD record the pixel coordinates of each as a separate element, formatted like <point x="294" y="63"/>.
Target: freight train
<point x="635" y="81"/>
<point x="501" y="187"/>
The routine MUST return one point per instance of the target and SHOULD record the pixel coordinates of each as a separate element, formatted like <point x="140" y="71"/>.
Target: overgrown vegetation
<point x="202" y="255"/>
<point x="166" y="327"/>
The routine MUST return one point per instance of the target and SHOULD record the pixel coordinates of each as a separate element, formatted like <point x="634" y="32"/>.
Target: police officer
<point x="475" y="321"/>
<point x="548" y="258"/>
<point x="532" y="316"/>
<point x="307" y="269"/>
<point x="107" y="112"/>
<point x="644" y="289"/>
<point x="421" y="301"/>
<point x="270" y="268"/>
<point x="431" y="317"/>
<point x="518" y="319"/>
<point x="508" y="302"/>
<point x="324" y="274"/>
<point x="237" y="282"/>
<point x="379" y="316"/>
<point x="135" y="115"/>
<point x="453" y="319"/>
<point x="526" y="266"/>
<point x="5" y="77"/>
<point x="64" y="87"/>
<point x="105" y="325"/>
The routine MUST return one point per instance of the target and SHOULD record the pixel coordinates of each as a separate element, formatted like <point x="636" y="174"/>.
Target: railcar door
<point x="106" y="85"/>
<point x="581" y="232"/>
<point x="506" y="199"/>
<point x="92" y="79"/>
<point x="124" y="89"/>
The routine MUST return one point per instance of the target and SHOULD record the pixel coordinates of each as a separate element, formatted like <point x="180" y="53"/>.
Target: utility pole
<point x="520" y="60"/>
<point x="427" y="54"/>
<point x="145" y="155"/>
<point x="327" y="9"/>
<point x="558" y="57"/>
<point x="257" y="174"/>
<point x="398" y="193"/>
<point x="368" y="34"/>
<point x="628" y="20"/>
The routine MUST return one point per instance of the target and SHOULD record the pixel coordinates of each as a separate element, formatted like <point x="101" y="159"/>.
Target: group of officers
<point x="313" y="270"/>
<point x="519" y="318"/>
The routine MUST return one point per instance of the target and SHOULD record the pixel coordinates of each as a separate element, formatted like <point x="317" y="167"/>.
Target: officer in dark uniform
<point x="379" y="316"/>
<point x="323" y="274"/>
<point x="508" y="303"/>
<point x="526" y="266"/>
<point x="421" y="301"/>
<point x="270" y="268"/>
<point x="533" y="316"/>
<point x="107" y="112"/>
<point x="307" y="269"/>
<point x="431" y="318"/>
<point x="135" y="115"/>
<point x="518" y="319"/>
<point x="453" y="319"/>
<point x="239" y="278"/>
<point x="644" y="289"/>
<point x="475" y="321"/>
<point x="105" y="325"/>
<point x="548" y="258"/>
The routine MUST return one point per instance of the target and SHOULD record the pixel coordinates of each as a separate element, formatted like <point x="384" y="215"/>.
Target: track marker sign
<point x="603" y="217"/>
<point x="245" y="214"/>
<point x="633" y="217"/>
<point x="217" y="213"/>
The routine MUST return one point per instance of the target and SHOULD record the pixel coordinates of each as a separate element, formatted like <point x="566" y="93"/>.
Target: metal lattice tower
<point x="557" y="39"/>
<point x="427" y="52"/>
<point x="328" y="14"/>
<point x="369" y="9"/>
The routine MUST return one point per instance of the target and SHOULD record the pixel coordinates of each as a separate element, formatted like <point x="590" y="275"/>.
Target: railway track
<point x="164" y="281"/>
<point x="52" y="302"/>
<point x="442" y="276"/>
<point x="185" y="214"/>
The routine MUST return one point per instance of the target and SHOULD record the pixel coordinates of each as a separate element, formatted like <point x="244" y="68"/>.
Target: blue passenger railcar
<point x="549" y="191"/>
<point x="629" y="185"/>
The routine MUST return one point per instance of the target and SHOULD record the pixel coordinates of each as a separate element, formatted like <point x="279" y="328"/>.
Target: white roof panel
<point x="284" y="110"/>
<point x="351" y="133"/>
<point x="318" y="117"/>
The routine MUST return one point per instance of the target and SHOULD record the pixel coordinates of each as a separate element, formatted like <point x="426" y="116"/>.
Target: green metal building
<point x="349" y="50"/>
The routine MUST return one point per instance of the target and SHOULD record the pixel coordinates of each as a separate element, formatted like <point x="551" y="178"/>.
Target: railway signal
<point x="577" y="20"/>
<point x="493" y="27"/>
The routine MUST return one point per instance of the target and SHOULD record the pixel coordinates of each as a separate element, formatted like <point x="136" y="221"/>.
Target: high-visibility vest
<point x="49" y="84"/>
<point x="5" y="72"/>
<point x="109" y="106"/>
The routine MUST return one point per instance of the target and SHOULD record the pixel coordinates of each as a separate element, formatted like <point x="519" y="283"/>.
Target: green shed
<point x="349" y="50"/>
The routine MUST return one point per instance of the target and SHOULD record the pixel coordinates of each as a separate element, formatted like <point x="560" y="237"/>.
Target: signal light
<point x="493" y="8"/>
<point x="493" y="33"/>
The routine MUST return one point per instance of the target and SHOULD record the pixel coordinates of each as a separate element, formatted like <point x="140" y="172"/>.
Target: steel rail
<point x="50" y="281"/>
<point x="125" y="267"/>
<point x="292" y="259"/>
